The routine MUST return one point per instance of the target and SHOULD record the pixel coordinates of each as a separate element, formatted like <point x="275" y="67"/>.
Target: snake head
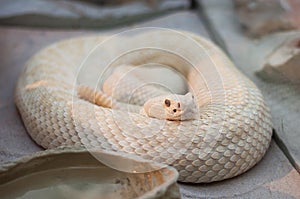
<point x="172" y="107"/>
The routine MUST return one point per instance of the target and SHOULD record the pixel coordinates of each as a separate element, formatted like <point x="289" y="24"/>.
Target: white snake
<point x="230" y="135"/>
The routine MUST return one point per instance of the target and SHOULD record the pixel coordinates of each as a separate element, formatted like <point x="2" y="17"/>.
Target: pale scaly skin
<point x="123" y="87"/>
<point x="230" y="135"/>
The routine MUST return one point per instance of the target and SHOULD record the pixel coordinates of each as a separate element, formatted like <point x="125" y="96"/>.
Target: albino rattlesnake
<point x="231" y="134"/>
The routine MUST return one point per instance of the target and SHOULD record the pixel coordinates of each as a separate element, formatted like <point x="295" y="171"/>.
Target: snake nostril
<point x="174" y="110"/>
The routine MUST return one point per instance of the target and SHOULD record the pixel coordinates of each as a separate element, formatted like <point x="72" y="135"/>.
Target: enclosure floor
<point x="273" y="177"/>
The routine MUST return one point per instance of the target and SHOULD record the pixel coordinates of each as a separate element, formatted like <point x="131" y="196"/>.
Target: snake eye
<point x="167" y="103"/>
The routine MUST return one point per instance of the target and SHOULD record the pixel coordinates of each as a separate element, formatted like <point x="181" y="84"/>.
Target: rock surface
<point x="282" y="64"/>
<point x="273" y="177"/>
<point x="261" y="17"/>
<point x="80" y="14"/>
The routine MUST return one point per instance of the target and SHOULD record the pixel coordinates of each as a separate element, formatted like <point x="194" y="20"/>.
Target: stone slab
<point x="271" y="174"/>
<point x="283" y="63"/>
<point x="249" y="55"/>
<point x="262" y="17"/>
<point x="80" y="14"/>
<point x="293" y="7"/>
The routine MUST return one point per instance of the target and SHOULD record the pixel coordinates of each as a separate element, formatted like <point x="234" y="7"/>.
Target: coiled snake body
<point x="230" y="135"/>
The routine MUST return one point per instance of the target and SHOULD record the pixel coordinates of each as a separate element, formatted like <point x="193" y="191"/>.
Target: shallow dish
<point x="78" y="173"/>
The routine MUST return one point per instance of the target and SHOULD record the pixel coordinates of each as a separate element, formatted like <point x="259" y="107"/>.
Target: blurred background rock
<point x="84" y="13"/>
<point x="261" y="17"/>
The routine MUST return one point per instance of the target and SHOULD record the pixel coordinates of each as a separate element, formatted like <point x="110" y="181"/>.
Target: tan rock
<point x="283" y="64"/>
<point x="260" y="17"/>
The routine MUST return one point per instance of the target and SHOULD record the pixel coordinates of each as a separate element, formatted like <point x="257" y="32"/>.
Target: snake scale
<point x="230" y="135"/>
